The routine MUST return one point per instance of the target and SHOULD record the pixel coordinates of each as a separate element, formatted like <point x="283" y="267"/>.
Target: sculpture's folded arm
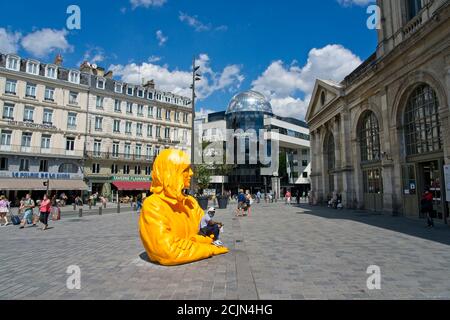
<point x="167" y="248"/>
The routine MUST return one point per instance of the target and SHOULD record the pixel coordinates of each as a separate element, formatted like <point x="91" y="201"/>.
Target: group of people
<point x="245" y="202"/>
<point x="27" y="208"/>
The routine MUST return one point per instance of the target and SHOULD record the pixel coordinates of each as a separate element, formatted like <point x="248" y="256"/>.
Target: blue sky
<point x="278" y="48"/>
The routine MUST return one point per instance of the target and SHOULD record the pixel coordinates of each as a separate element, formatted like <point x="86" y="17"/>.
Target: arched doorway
<point x="370" y="153"/>
<point x="423" y="147"/>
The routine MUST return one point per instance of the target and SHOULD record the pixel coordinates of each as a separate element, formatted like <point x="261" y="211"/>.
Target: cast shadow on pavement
<point x="412" y="227"/>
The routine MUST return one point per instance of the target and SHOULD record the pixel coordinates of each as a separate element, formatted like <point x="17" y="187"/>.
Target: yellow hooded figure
<point x="170" y="220"/>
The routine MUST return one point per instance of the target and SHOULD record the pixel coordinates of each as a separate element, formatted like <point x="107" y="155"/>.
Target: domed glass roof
<point x="249" y="101"/>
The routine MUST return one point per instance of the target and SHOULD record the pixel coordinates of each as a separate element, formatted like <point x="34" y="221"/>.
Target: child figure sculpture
<point x="170" y="220"/>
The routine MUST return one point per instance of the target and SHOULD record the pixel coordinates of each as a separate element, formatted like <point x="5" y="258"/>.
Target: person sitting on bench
<point x="209" y="227"/>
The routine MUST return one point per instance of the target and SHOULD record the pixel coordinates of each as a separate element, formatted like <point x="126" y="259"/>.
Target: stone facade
<point x="413" y="55"/>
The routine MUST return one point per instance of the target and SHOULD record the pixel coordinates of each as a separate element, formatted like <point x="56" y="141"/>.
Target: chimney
<point x="109" y="75"/>
<point x="150" y="84"/>
<point x="86" y="67"/>
<point x="59" y="60"/>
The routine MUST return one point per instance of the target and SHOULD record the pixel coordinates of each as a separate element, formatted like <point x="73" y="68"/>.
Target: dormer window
<point x="51" y="72"/>
<point x="13" y="63"/>
<point x="101" y="83"/>
<point x="74" y="77"/>
<point x="150" y="95"/>
<point x="118" y="88"/>
<point x="33" y="67"/>
<point x="130" y="91"/>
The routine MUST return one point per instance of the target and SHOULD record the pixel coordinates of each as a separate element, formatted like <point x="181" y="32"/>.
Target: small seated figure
<point x="209" y="227"/>
<point x="170" y="220"/>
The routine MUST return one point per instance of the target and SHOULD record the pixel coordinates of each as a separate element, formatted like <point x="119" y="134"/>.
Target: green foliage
<point x="202" y="175"/>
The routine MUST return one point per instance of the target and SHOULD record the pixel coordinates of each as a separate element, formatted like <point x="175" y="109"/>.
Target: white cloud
<point x="179" y="81"/>
<point x="348" y="3"/>
<point x="162" y="39"/>
<point x="147" y="3"/>
<point x="9" y="41"/>
<point x="94" y="55"/>
<point x="153" y="59"/>
<point x="285" y="84"/>
<point x="43" y="42"/>
<point x="199" y="26"/>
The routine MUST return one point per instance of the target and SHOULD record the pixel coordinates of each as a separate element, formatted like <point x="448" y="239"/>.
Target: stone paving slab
<point x="279" y="252"/>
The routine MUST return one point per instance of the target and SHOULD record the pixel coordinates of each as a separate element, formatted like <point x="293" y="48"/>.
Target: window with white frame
<point x="175" y="134"/>
<point x="24" y="165"/>
<point x="167" y="133"/>
<point x="28" y="114"/>
<point x="33" y="67"/>
<point x="149" y="152"/>
<point x="168" y="115"/>
<point x="150" y="112"/>
<point x="159" y="113"/>
<point x="96" y="168"/>
<point x="101" y="83"/>
<point x="99" y="102"/>
<point x="51" y="72"/>
<point x="72" y="120"/>
<point x="118" y="88"/>
<point x="128" y="127"/>
<point x="74" y="77"/>
<point x="49" y="94"/>
<point x="130" y="91"/>
<point x="140" y="110"/>
<point x="8" y="111"/>
<point x="185" y="117"/>
<point x="127" y="150"/>
<point x="26" y="139"/>
<point x="114" y="169"/>
<point x="48" y="117"/>
<point x="4" y="164"/>
<point x="150" y="95"/>
<point x="158" y="96"/>
<point x="148" y="170"/>
<point x="177" y="116"/>
<point x="117" y="106"/>
<point x="139" y="129"/>
<point x="115" y="149"/>
<point x="138" y="150"/>
<point x="11" y="87"/>
<point x="129" y="107"/>
<point x="13" y="63"/>
<point x="185" y="135"/>
<point x="97" y="148"/>
<point x="149" y="130"/>
<point x="116" y="126"/>
<point x="137" y="170"/>
<point x="70" y="144"/>
<point x="126" y="169"/>
<point x="30" y="91"/>
<point x="46" y="141"/>
<point x="141" y="93"/>
<point x="43" y="166"/>
<point x="98" y="124"/>
<point x="6" y="138"/>
<point x="158" y="132"/>
<point x="73" y="98"/>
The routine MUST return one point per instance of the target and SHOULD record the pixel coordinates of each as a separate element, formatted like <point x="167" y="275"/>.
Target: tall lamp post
<point x="195" y="77"/>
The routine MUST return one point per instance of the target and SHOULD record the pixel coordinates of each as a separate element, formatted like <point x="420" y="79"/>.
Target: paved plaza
<point x="279" y="252"/>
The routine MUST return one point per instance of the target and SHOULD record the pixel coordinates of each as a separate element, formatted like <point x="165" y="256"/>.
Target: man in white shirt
<point x="209" y="227"/>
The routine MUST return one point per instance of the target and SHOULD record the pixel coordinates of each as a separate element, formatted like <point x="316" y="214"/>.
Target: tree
<point x="202" y="175"/>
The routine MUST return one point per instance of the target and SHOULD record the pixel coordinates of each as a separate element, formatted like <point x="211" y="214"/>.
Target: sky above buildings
<point x="276" y="47"/>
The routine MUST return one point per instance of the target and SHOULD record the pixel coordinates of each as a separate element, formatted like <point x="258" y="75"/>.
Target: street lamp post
<point x="195" y="77"/>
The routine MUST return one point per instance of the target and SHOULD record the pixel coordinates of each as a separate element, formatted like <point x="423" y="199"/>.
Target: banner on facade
<point x="447" y="182"/>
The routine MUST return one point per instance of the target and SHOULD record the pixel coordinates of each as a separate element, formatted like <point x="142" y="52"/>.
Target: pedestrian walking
<point x="44" y="210"/>
<point x="4" y="210"/>
<point x="27" y="207"/>
<point x="288" y="197"/>
<point x="427" y="206"/>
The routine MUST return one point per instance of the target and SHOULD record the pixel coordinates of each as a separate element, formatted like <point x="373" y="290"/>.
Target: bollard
<point x="100" y="211"/>
<point x="74" y="207"/>
<point x="80" y="213"/>
<point x="118" y="207"/>
<point x="104" y="205"/>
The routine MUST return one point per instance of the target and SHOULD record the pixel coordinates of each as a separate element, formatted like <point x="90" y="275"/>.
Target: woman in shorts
<point x="4" y="210"/>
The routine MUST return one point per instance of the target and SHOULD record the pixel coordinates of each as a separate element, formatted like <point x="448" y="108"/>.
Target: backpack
<point x="15" y="220"/>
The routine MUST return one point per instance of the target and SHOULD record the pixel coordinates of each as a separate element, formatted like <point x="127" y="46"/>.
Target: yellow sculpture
<point x="170" y="220"/>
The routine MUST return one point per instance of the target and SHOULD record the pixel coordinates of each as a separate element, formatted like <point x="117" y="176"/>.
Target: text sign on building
<point x="447" y="182"/>
<point x="45" y="175"/>
<point x="131" y="179"/>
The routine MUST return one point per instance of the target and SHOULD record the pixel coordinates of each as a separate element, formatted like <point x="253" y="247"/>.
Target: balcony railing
<point x="119" y="156"/>
<point x="47" y="152"/>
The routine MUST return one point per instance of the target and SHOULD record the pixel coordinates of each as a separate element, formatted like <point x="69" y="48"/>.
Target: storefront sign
<point x="42" y="175"/>
<point x="131" y="178"/>
<point x="32" y="125"/>
<point x="447" y="182"/>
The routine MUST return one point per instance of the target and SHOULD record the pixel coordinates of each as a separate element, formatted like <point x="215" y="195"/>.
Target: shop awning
<point x="38" y="185"/>
<point x="132" y="185"/>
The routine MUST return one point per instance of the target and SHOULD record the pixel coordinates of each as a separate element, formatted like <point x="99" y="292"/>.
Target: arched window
<point x="68" y="168"/>
<point x="422" y="124"/>
<point x="369" y="137"/>
<point x="330" y="152"/>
